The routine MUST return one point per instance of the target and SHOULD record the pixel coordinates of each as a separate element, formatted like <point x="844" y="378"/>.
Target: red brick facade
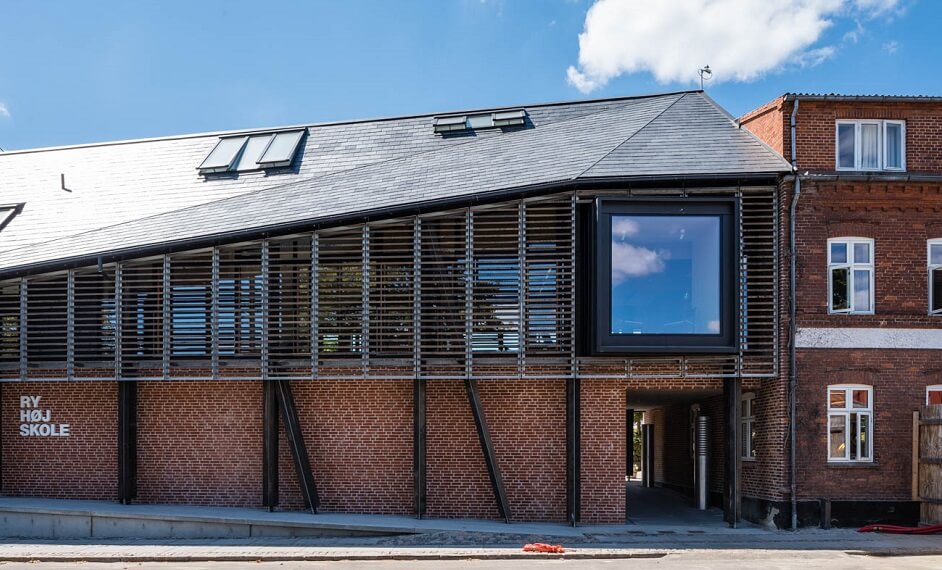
<point x="201" y="443"/>
<point x="900" y="216"/>
<point x="81" y="466"/>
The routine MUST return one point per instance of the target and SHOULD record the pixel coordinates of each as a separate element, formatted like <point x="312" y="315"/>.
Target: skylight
<point x="457" y="123"/>
<point x="252" y="152"/>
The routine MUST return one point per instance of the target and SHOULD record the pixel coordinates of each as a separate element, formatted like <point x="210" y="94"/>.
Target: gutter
<point x="793" y="328"/>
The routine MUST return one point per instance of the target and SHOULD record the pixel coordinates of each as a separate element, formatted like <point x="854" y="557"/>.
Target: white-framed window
<point x="850" y="422"/>
<point x="747" y="427"/>
<point x="850" y="275"/>
<point x="934" y="255"/>
<point x="870" y="145"/>
<point x="934" y="395"/>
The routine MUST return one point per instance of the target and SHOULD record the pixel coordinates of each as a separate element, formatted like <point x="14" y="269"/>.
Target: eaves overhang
<point x="685" y="181"/>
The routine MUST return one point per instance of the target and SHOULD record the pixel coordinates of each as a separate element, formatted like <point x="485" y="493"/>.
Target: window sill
<point x="852" y="465"/>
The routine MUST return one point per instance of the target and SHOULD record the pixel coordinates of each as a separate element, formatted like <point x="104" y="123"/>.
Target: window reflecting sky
<point x="665" y="274"/>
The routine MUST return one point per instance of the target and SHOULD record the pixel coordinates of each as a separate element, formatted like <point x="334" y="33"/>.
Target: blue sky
<point x="82" y="71"/>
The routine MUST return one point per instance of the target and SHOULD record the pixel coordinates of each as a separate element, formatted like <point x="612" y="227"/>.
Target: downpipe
<point x="793" y="329"/>
<point x="703" y="469"/>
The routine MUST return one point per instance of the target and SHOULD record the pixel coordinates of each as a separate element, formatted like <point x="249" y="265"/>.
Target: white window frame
<point x="932" y="388"/>
<point x="881" y="156"/>
<point x="932" y="267"/>
<point x="846" y="412"/>
<point x="851" y="265"/>
<point x="746" y="424"/>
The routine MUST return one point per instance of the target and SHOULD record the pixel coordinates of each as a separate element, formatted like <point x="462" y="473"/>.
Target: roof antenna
<point x="705" y="74"/>
<point x="62" y="180"/>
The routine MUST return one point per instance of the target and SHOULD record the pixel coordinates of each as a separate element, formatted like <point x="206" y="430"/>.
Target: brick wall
<point x="899" y="379"/>
<point x="527" y="423"/>
<point x="815" y="132"/>
<point x="199" y="443"/>
<point x="359" y="441"/>
<point x="81" y="466"/>
<point x="899" y="218"/>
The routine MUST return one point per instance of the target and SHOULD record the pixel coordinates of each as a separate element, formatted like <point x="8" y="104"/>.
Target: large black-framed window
<point x="665" y="275"/>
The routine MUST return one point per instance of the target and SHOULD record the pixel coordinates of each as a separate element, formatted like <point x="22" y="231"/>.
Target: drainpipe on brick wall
<point x="793" y="328"/>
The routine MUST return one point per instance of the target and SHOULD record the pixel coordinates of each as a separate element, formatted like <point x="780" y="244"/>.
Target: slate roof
<point x="131" y="196"/>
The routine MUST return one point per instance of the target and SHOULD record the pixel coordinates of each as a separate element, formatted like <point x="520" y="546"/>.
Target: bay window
<point x="850" y="275"/>
<point x="850" y="423"/>
<point x="870" y="145"/>
<point x="665" y="275"/>
<point x="935" y="276"/>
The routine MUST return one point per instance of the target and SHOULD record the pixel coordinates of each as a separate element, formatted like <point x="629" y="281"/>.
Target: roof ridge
<point x="305" y="181"/>
<point x="321" y="124"/>
<point x="624" y="142"/>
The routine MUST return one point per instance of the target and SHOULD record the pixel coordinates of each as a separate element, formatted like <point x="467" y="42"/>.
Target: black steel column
<point x="418" y="445"/>
<point x="289" y="414"/>
<point x="732" y="393"/>
<point x="647" y="455"/>
<point x="269" y="445"/>
<point x="573" y="452"/>
<point x="484" y="435"/>
<point x="127" y="441"/>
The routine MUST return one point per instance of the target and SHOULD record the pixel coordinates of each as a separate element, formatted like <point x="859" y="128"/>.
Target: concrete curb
<point x="339" y="557"/>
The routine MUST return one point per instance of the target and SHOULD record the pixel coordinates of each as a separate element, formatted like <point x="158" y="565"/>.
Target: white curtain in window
<point x="869" y="146"/>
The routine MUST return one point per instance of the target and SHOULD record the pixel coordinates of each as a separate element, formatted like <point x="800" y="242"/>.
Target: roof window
<point x="499" y="119"/>
<point x="252" y="152"/>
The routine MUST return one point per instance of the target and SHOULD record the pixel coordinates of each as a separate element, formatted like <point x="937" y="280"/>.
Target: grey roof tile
<point x="362" y="168"/>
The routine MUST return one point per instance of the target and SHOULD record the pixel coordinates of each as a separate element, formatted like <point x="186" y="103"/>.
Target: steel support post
<point x="118" y="321"/>
<point x="419" y="446"/>
<point x="468" y="292"/>
<point x="732" y="495"/>
<point x="487" y="447"/>
<point x="522" y="315"/>
<point x="417" y="297"/>
<point x="266" y="317"/>
<point x="302" y="464"/>
<point x="24" y="325"/>
<point x="127" y="441"/>
<point x="270" y="445"/>
<point x="214" y="315"/>
<point x="573" y="451"/>
<point x="315" y="285"/>
<point x="647" y="455"/>
<point x="365" y="304"/>
<point x="165" y="319"/>
<point x="70" y="327"/>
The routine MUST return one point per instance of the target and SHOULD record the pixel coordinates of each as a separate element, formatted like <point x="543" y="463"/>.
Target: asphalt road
<point x="699" y="559"/>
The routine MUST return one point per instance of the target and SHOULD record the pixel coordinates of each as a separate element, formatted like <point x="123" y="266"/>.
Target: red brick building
<point x="455" y="315"/>
<point x="868" y="232"/>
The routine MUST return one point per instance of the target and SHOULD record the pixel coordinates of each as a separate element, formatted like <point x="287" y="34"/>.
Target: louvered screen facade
<point x="482" y="292"/>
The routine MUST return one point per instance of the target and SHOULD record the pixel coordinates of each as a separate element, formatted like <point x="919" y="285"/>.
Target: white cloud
<point x="624" y="227"/>
<point x="633" y="261"/>
<point x="713" y="326"/>
<point x="4" y="112"/>
<point x="814" y="57"/>
<point x="741" y="40"/>
<point x="891" y="47"/>
<point x="876" y="7"/>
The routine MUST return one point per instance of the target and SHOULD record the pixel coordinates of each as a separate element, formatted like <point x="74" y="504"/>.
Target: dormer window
<point x="871" y="145"/>
<point x="252" y="152"/>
